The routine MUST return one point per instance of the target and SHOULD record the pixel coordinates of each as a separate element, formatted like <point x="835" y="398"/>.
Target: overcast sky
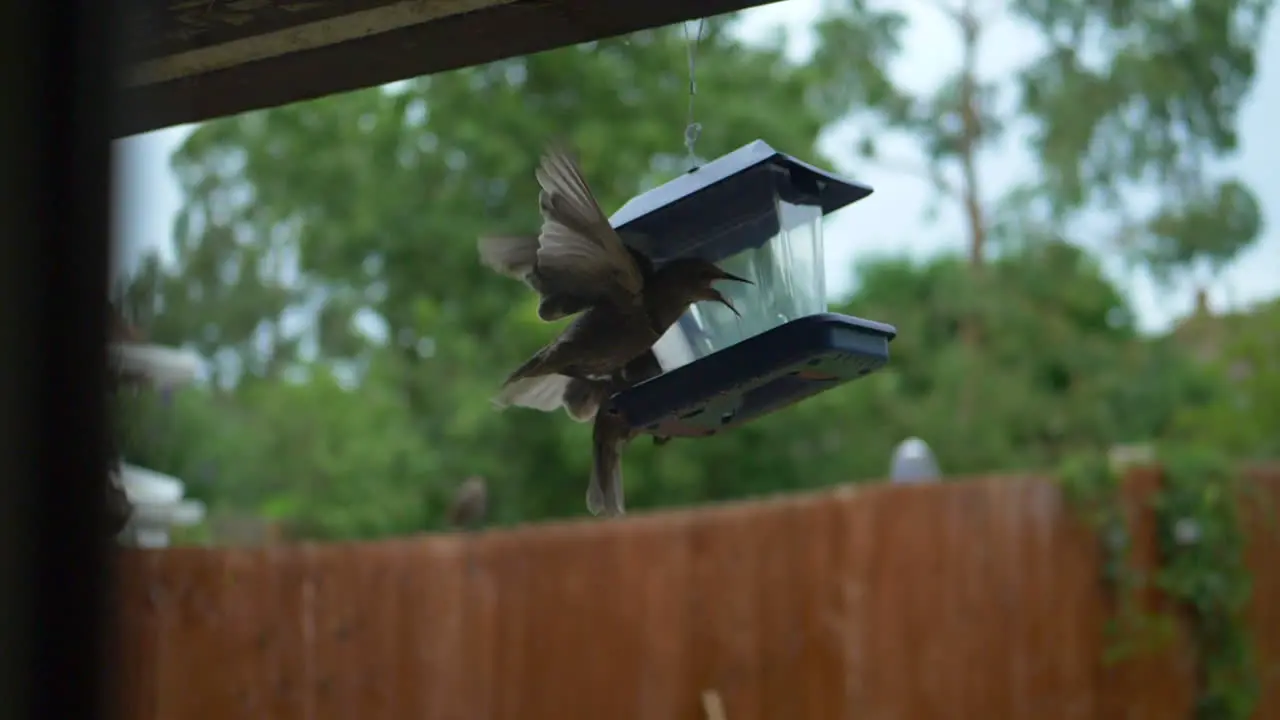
<point x="885" y="222"/>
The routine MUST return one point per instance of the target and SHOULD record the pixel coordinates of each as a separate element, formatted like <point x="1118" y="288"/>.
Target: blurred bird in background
<point x="579" y="265"/>
<point x="470" y="504"/>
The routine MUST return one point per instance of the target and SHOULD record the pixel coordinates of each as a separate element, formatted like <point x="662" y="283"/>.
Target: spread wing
<point x="545" y="393"/>
<point x="579" y="252"/>
<point x="511" y="256"/>
<point x="563" y="296"/>
<point x="517" y="257"/>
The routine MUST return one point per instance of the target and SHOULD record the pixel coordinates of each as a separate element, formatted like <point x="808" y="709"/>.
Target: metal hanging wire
<point x="692" y="128"/>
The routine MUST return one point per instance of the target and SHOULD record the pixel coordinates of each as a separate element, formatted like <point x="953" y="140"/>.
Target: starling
<point x="578" y="260"/>
<point x="580" y="257"/>
<point x="580" y="266"/>
<point x="517" y="257"/>
<point x="470" y="504"/>
<point x="667" y="294"/>
<point x="665" y="300"/>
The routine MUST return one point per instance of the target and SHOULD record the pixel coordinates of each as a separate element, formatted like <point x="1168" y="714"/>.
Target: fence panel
<point x="979" y="599"/>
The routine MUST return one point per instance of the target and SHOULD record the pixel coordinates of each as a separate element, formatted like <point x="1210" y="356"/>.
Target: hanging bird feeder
<point x="758" y="214"/>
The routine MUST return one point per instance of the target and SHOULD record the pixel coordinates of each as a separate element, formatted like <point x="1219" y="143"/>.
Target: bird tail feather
<point x="544" y="392"/>
<point x="604" y="491"/>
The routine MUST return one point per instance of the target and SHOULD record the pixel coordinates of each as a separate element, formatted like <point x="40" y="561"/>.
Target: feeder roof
<point x="195" y="61"/>
<point x="835" y="192"/>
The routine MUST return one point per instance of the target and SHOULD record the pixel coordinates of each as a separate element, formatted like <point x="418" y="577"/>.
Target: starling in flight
<point x="579" y="265"/>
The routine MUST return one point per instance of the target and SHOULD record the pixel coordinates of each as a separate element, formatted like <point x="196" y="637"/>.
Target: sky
<point x="891" y="220"/>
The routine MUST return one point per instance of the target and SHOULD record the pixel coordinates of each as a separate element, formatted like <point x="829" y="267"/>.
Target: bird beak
<point x="716" y="296"/>
<point x="730" y="276"/>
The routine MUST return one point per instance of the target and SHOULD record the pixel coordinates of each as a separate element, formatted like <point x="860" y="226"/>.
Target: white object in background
<point x="161" y="365"/>
<point x="150" y="537"/>
<point x="148" y="487"/>
<point x="913" y="462"/>
<point x="1123" y="457"/>
<point x="155" y="499"/>
<point x="180" y="514"/>
<point x="157" y="505"/>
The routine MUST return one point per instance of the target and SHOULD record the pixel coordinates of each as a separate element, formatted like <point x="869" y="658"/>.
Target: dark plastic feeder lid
<point x="728" y="205"/>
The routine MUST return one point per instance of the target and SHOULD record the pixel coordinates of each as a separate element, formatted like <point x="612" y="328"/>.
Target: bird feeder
<point x="758" y="214"/>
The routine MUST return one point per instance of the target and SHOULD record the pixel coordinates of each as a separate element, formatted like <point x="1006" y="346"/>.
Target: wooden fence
<point x="963" y="600"/>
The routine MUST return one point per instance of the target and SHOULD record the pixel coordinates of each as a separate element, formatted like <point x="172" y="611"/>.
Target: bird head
<point x="693" y="277"/>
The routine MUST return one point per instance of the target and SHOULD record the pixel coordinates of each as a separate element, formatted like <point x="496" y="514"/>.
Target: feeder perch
<point x="758" y="214"/>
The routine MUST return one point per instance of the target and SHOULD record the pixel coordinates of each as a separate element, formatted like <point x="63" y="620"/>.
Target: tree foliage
<point x="1153" y="91"/>
<point x="324" y="261"/>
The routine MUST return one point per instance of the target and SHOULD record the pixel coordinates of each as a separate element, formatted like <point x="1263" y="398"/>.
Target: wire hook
<point x="692" y="129"/>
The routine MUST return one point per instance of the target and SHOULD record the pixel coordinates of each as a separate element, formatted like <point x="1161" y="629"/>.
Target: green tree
<point x="1242" y="350"/>
<point x="367" y="205"/>
<point x="1064" y="369"/>
<point x="1151" y="114"/>
<point x="1124" y="97"/>
<point x="1122" y="101"/>
<point x="325" y="260"/>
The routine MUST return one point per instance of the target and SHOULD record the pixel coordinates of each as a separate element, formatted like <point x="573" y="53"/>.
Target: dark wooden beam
<point x="194" y="60"/>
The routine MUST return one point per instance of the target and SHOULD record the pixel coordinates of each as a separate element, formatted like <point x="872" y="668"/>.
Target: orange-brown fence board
<point x="979" y="599"/>
<point x="1263" y="556"/>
